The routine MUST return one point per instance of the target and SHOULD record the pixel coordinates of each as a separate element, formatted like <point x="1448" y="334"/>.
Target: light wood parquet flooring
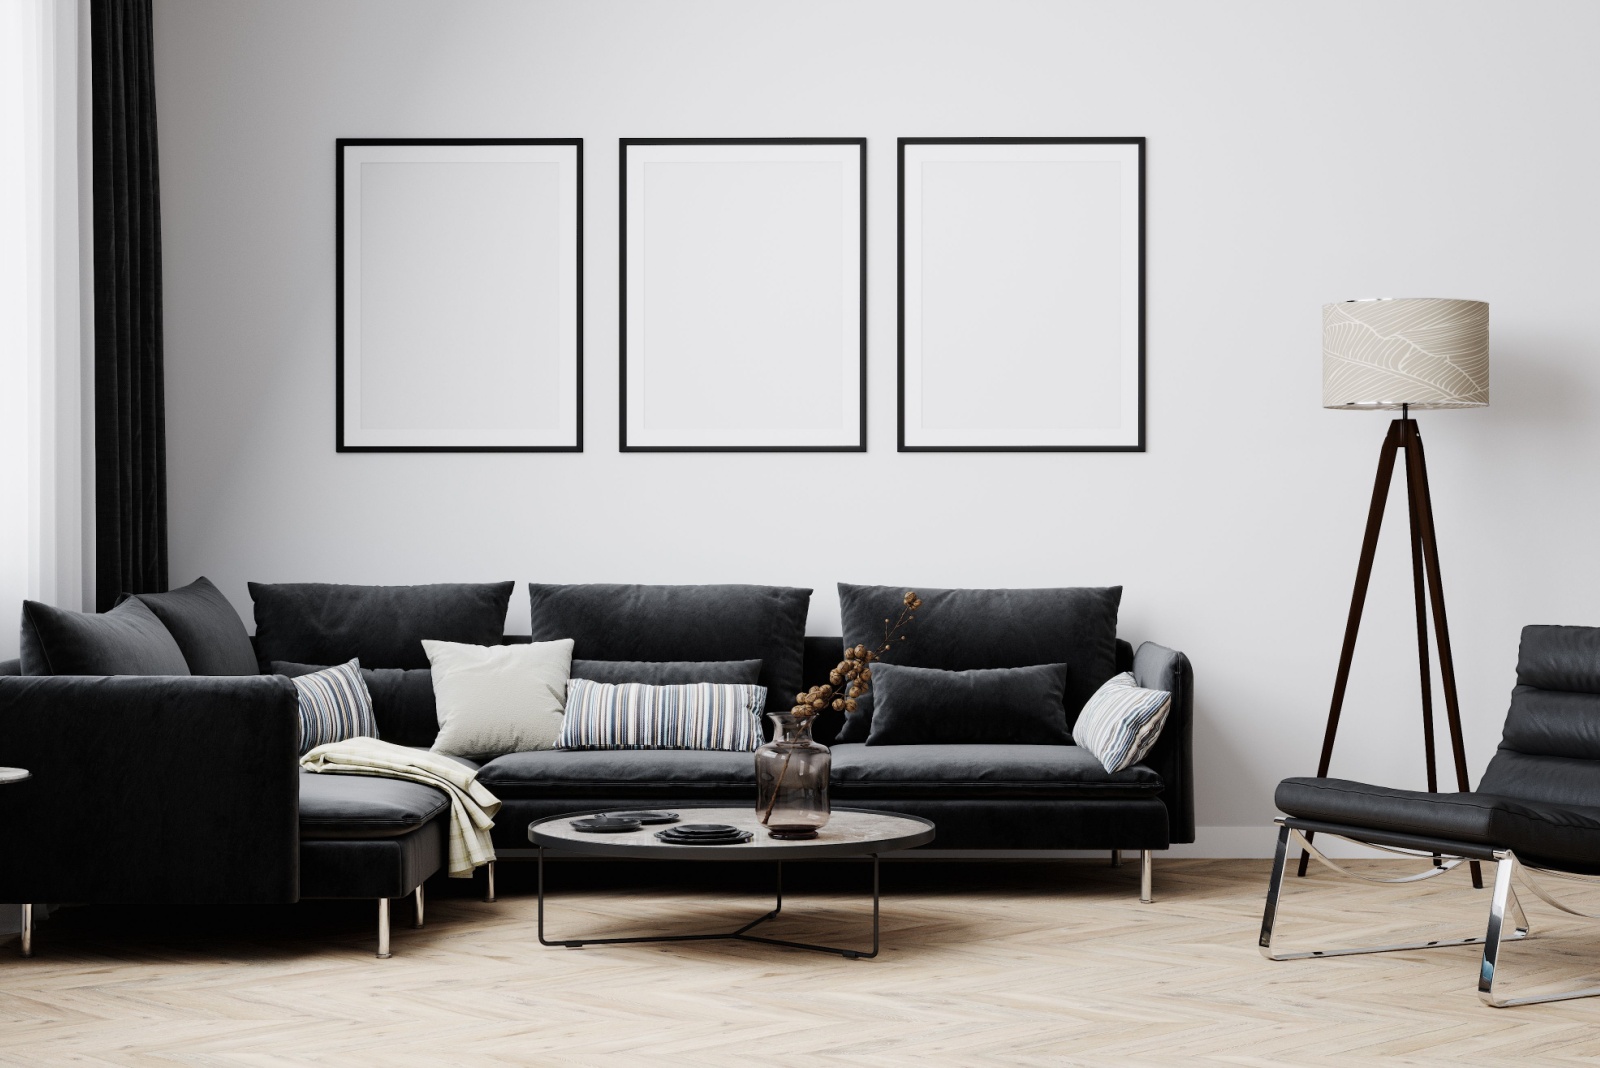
<point x="983" y="963"/>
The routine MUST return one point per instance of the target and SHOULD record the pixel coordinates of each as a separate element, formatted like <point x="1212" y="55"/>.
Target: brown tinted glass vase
<point x="792" y="779"/>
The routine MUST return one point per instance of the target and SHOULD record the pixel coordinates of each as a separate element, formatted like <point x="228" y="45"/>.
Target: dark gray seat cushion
<point x="1456" y="817"/>
<point x="382" y="626"/>
<point x="128" y="640"/>
<point x="206" y="628"/>
<point x="966" y="771"/>
<point x="621" y="773"/>
<point x="715" y="622"/>
<point x="363" y="806"/>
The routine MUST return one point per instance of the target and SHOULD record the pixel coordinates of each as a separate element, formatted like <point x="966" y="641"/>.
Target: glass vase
<point x="792" y="779"/>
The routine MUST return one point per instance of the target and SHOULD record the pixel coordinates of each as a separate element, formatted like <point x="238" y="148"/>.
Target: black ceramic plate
<point x="672" y="838"/>
<point x="704" y="828"/>
<point x="645" y="816"/>
<point x="603" y="825"/>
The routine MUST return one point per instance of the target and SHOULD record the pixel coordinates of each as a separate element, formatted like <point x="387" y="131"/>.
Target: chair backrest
<point x="1550" y="749"/>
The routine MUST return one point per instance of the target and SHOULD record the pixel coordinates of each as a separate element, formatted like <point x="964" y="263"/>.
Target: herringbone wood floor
<point x="1005" y="964"/>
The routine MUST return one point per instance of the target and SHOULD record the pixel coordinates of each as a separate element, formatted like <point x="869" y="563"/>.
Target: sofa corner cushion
<point x="206" y="627"/>
<point x="697" y="623"/>
<point x="1020" y="705"/>
<point x="364" y="806"/>
<point x="128" y="640"/>
<point x="382" y="626"/>
<point x="922" y="771"/>
<point x="963" y="629"/>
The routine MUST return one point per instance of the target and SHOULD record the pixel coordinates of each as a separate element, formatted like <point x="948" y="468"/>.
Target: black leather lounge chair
<point x="1536" y="810"/>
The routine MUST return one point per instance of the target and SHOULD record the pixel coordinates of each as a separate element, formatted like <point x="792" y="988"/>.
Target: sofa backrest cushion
<point x="206" y="628"/>
<point x="128" y="640"/>
<point x="1550" y="745"/>
<point x="382" y="626"/>
<point x="716" y="622"/>
<point x="963" y="630"/>
<point x="668" y="672"/>
<point x="402" y="700"/>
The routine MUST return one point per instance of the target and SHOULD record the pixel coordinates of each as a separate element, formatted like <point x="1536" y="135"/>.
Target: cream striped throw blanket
<point x="472" y="806"/>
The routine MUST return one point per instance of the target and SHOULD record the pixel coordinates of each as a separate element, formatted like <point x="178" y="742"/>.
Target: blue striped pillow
<point x="1121" y="722"/>
<point x="334" y="705"/>
<point x="633" y="715"/>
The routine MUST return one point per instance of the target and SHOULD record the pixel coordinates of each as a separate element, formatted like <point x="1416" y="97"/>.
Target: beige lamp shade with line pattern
<point x="1422" y="352"/>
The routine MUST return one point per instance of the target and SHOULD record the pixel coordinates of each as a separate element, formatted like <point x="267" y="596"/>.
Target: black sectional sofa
<point x="161" y="787"/>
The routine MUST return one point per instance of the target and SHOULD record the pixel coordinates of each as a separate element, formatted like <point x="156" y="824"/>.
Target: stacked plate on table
<point x="644" y="816"/>
<point x="704" y="834"/>
<point x="605" y="824"/>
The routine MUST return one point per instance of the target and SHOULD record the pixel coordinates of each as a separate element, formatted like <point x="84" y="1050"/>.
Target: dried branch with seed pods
<point x="853" y="676"/>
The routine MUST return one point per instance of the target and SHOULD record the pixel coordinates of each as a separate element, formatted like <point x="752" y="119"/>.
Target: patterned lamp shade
<point x="1425" y="352"/>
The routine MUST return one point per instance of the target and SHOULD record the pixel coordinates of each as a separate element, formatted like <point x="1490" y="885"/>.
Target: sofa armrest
<point x="1158" y="668"/>
<point x="150" y="789"/>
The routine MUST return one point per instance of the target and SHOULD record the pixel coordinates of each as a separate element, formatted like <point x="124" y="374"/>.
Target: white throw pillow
<point x="495" y="699"/>
<point x="1121" y="722"/>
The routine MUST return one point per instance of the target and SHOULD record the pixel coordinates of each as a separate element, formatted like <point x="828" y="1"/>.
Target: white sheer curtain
<point x="46" y="389"/>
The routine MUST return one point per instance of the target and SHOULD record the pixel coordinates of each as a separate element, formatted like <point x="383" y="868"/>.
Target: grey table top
<point x="8" y="775"/>
<point x="850" y="833"/>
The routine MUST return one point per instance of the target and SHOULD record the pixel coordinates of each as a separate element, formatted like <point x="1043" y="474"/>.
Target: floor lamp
<point x="1404" y="354"/>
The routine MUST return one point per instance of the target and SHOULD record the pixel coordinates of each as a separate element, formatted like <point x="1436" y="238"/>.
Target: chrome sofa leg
<point x="418" y="922"/>
<point x="27" y="930"/>
<point x="1116" y="858"/>
<point x="1147" y="863"/>
<point x="488" y="893"/>
<point x="383" y="929"/>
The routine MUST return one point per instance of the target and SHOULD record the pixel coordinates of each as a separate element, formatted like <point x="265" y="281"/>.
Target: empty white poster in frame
<point x="743" y="265"/>
<point x="460" y="301"/>
<point x="1021" y="294"/>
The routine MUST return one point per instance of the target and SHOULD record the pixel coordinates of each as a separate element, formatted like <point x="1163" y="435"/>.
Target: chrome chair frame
<point x="1503" y="900"/>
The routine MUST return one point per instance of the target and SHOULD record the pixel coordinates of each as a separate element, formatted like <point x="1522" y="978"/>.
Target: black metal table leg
<point x="742" y="934"/>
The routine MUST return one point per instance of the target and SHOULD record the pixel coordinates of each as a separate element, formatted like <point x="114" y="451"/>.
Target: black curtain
<point x="130" y="464"/>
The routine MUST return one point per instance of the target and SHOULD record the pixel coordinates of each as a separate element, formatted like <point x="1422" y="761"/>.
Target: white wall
<point x="1298" y="153"/>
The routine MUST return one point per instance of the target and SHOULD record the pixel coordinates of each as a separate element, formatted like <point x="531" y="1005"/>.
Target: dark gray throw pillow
<point x="382" y="626"/>
<point x="206" y="628"/>
<point x="960" y="630"/>
<point x="128" y="640"/>
<point x="402" y="700"/>
<point x="985" y="706"/>
<point x="663" y="623"/>
<point x="668" y="672"/>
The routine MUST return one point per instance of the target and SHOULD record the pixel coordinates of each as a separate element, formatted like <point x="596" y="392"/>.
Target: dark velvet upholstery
<point x="669" y="672"/>
<point x="1540" y="795"/>
<point x="928" y="706"/>
<point x="206" y="628"/>
<point x="364" y="806"/>
<point x="966" y="771"/>
<point x="150" y="789"/>
<point x="128" y="640"/>
<point x="373" y="867"/>
<point x="11" y="667"/>
<point x="402" y="700"/>
<point x="1155" y="667"/>
<point x="569" y="773"/>
<point x="959" y="630"/>
<point x="716" y="622"/>
<point x="382" y="626"/>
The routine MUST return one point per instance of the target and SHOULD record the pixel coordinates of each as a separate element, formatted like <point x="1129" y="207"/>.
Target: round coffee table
<point x="850" y="832"/>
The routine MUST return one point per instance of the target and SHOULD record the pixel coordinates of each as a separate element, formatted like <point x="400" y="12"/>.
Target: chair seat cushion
<point x="1566" y="836"/>
<point x="363" y="806"/>
<point x="1003" y="770"/>
<point x="1454" y="817"/>
<point x="621" y="773"/>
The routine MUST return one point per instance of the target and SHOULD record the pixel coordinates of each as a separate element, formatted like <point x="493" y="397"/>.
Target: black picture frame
<point x="1140" y="146"/>
<point x="341" y="147"/>
<point x="624" y="144"/>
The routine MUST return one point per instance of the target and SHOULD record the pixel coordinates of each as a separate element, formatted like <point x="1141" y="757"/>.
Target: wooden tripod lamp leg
<point x="1417" y="477"/>
<point x="1358" y="599"/>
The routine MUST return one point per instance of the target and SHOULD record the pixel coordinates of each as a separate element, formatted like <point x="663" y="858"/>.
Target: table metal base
<point x="742" y="934"/>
